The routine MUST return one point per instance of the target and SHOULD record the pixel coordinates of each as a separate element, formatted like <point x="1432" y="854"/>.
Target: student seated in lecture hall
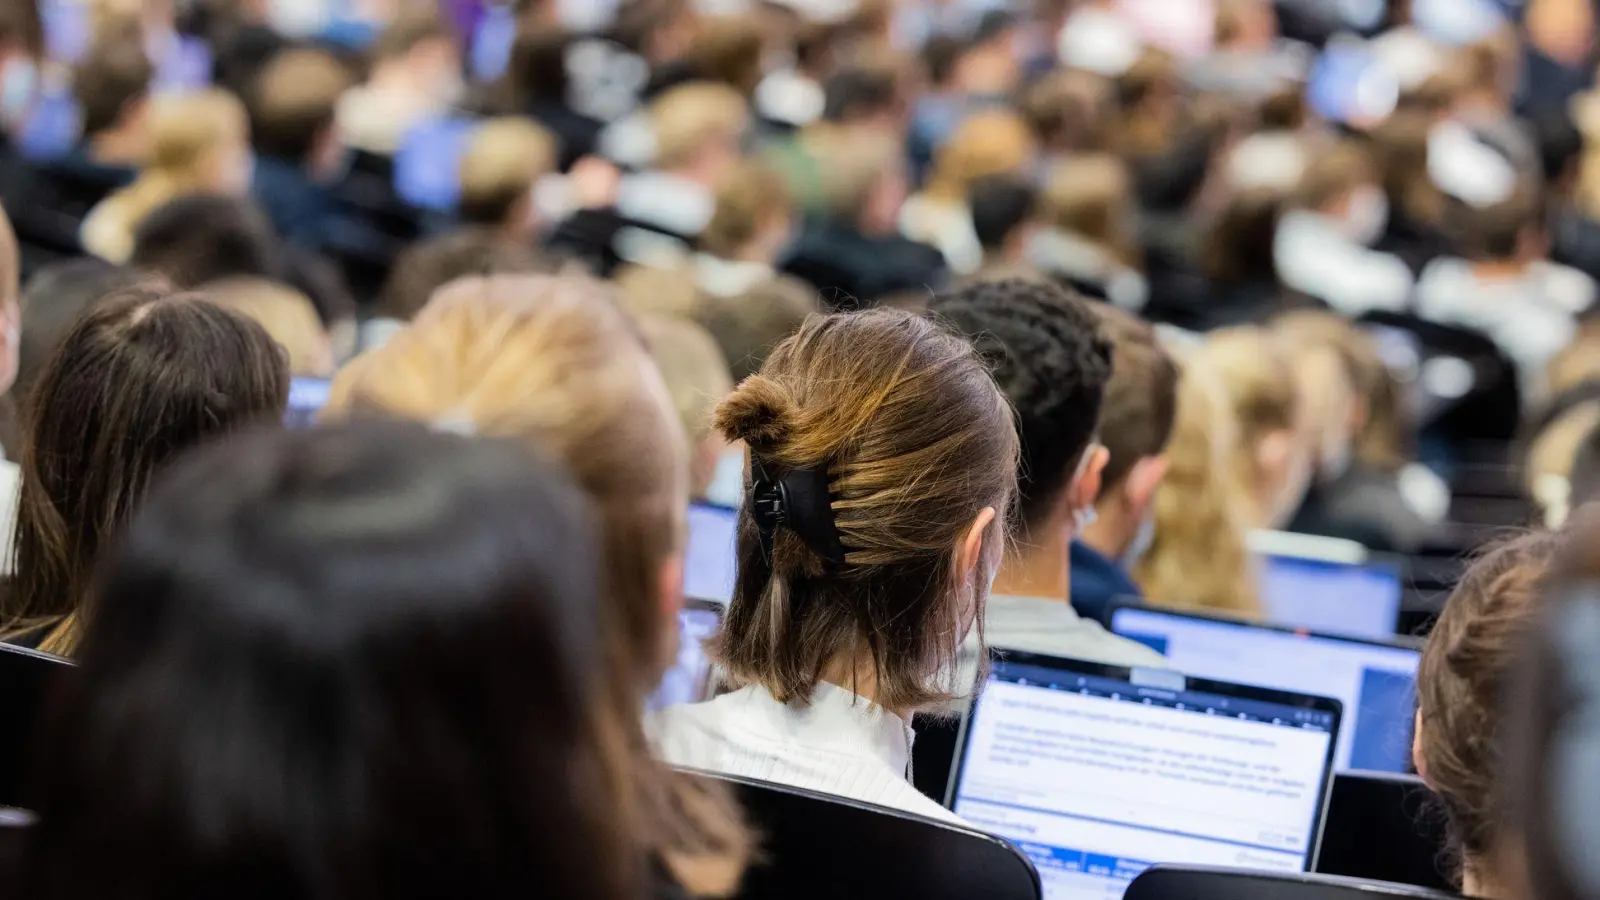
<point x="851" y="601"/>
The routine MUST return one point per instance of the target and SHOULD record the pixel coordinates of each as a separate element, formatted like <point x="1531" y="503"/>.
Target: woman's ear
<point x="971" y="549"/>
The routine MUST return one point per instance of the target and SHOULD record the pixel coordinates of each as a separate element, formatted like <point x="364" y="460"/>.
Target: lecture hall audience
<point x="981" y="319"/>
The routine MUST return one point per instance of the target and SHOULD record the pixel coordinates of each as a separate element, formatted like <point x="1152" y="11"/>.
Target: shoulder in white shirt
<point x="840" y="744"/>
<point x="1053" y="627"/>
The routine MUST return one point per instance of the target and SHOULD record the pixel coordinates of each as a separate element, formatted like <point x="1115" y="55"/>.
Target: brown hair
<point x="115" y="73"/>
<point x="504" y="159"/>
<point x="688" y="117"/>
<point x="1464" y="671"/>
<point x="988" y="143"/>
<point x="1091" y="196"/>
<point x="1141" y="399"/>
<point x="293" y="101"/>
<point x="1332" y="173"/>
<point x="138" y="380"/>
<point x="425" y="267"/>
<point x="915" y="440"/>
<point x="1069" y="110"/>
<point x="728" y="50"/>
<point x="747" y="327"/>
<point x="409" y="30"/>
<point x="1400" y="147"/>
<point x="554" y="361"/>
<point x="286" y="314"/>
<point x="1238" y="247"/>
<point x="697" y="379"/>
<point x="746" y="199"/>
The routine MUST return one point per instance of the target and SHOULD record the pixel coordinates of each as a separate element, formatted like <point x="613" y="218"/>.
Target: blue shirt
<point x="1098" y="581"/>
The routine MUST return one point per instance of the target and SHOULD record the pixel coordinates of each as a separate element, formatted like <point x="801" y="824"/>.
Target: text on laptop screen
<point x="1097" y="779"/>
<point x="709" y="568"/>
<point x="1337" y="598"/>
<point x="1377" y="683"/>
<point x="686" y="681"/>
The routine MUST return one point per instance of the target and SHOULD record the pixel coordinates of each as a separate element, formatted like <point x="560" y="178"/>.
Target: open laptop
<point x="1376" y="681"/>
<point x="689" y="679"/>
<point x="709" y="566"/>
<point x="1098" y="772"/>
<point x="1328" y="585"/>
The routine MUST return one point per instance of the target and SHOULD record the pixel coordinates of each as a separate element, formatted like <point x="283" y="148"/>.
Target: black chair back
<point x="26" y="678"/>
<point x="1491" y="408"/>
<point x="933" y="754"/>
<point x="1203" y="883"/>
<point x="887" y="853"/>
<point x="1385" y="827"/>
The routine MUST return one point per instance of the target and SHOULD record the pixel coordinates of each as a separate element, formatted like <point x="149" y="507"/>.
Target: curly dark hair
<point x="1051" y="358"/>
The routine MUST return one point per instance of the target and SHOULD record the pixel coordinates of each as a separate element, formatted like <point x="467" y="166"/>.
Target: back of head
<point x="1000" y="205"/>
<point x="504" y="159"/>
<point x="1050" y="358"/>
<point x="1141" y="398"/>
<point x="690" y="118"/>
<point x="425" y="267"/>
<point x="286" y="314"/>
<point x="186" y="130"/>
<point x="900" y="421"/>
<point x="1255" y="374"/>
<point x="1501" y="231"/>
<point x="697" y="379"/>
<point x="281" y="650"/>
<point x="293" y="102"/>
<point x="859" y="93"/>
<point x="1091" y="196"/>
<point x="408" y="31"/>
<point x="21" y="27"/>
<point x="1069" y="110"/>
<point x="728" y="50"/>
<point x="114" y="76"/>
<point x="553" y="362"/>
<point x="853" y="166"/>
<point x="987" y="143"/>
<point x="201" y="238"/>
<point x="749" y="198"/>
<point x="1238" y="248"/>
<point x="52" y="301"/>
<point x="1465" y="669"/>
<point x="138" y="380"/>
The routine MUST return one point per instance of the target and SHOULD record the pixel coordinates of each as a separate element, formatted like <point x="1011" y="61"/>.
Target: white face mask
<point x="1366" y="216"/>
<point x="1082" y="519"/>
<point x="1143" y="539"/>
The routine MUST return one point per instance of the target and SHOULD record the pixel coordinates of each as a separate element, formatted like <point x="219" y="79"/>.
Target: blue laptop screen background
<point x="1361" y="600"/>
<point x="709" y="567"/>
<point x="1096" y="778"/>
<point x="1375" y="682"/>
<point x="688" y="679"/>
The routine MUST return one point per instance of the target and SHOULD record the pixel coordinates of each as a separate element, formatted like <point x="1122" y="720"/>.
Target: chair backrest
<point x="816" y="846"/>
<point x="1490" y="409"/>
<point x="1384" y="827"/>
<point x="1203" y="883"/>
<point x="26" y="678"/>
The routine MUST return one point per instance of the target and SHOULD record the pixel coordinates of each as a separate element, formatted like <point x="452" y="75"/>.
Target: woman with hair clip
<point x="883" y="461"/>
<point x="553" y="361"/>
<point x="141" y="378"/>
<point x="344" y="662"/>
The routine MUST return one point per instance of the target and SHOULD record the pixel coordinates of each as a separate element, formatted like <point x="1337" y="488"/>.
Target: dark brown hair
<point x="1463" y="675"/>
<point x="1238" y="246"/>
<point x="728" y="49"/>
<point x="1141" y="399"/>
<point x="137" y="381"/>
<point x="293" y="101"/>
<point x="915" y="440"/>
<point x="115" y="73"/>
<point x="424" y="268"/>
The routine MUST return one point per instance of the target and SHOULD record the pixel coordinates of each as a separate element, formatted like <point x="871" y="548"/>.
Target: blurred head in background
<point x="504" y="162"/>
<point x="1274" y="457"/>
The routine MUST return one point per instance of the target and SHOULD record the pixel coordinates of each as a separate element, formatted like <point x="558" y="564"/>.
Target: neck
<point x="1038" y="569"/>
<point x="116" y="146"/>
<point x="1478" y="881"/>
<point x="753" y="253"/>
<point x="1499" y="269"/>
<point x="1110" y="535"/>
<point x="860" y="677"/>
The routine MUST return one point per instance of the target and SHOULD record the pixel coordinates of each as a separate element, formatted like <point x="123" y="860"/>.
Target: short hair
<point x="293" y="101"/>
<point x="258" y="573"/>
<point x="424" y="268"/>
<point x="1496" y="232"/>
<point x="1467" y="662"/>
<point x="137" y="380"/>
<point x="21" y="25"/>
<point x="860" y="92"/>
<point x="202" y="238"/>
<point x="1238" y="246"/>
<point x="286" y="314"/>
<point x="686" y="118"/>
<point x="115" y="73"/>
<point x="728" y="50"/>
<point x="748" y="326"/>
<point x="410" y="30"/>
<point x="503" y="160"/>
<point x="1069" y="109"/>
<point x="692" y="366"/>
<point x="899" y="418"/>
<point x="1000" y="205"/>
<point x="987" y="143"/>
<point x="1050" y="357"/>
<point x="1091" y="195"/>
<point x="1332" y="173"/>
<point x="746" y="199"/>
<point x="851" y="166"/>
<point x="1141" y="397"/>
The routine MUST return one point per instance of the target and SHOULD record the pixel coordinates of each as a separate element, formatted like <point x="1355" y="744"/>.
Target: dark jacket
<point x="1363" y="505"/>
<point x="301" y="211"/>
<point x="1098" y="582"/>
<point x="854" y="271"/>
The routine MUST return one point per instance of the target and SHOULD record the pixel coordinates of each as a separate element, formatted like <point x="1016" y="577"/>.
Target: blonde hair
<point x="1384" y="439"/>
<point x="688" y="117"/>
<point x="1198" y="559"/>
<point x="504" y="158"/>
<point x="286" y="314"/>
<point x="1262" y="390"/>
<point x="1091" y="196"/>
<point x="552" y="360"/>
<point x="187" y="131"/>
<point x="747" y="198"/>
<point x="697" y="379"/>
<point x="989" y="143"/>
<point x="852" y="163"/>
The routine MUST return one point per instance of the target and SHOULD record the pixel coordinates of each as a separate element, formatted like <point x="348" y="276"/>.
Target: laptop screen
<point x="709" y="568"/>
<point x="1359" y="599"/>
<point x="307" y="396"/>
<point x="1097" y="777"/>
<point x="1376" y="682"/>
<point x="688" y="679"/>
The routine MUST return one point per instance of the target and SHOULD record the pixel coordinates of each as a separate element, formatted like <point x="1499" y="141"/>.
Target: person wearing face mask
<point x="416" y="76"/>
<point x="1136" y="420"/>
<point x="1050" y="356"/>
<point x="1356" y="493"/>
<point x="1322" y="247"/>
